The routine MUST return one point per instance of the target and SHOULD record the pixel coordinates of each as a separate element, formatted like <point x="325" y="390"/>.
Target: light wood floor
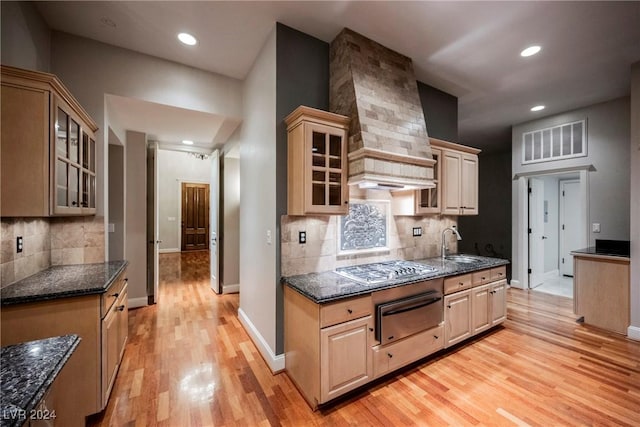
<point x="189" y="362"/>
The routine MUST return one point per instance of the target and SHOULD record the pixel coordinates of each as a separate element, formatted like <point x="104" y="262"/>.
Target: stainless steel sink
<point x="462" y="259"/>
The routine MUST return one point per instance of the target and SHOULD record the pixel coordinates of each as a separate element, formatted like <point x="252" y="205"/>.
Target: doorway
<point x="195" y="216"/>
<point x="556" y="226"/>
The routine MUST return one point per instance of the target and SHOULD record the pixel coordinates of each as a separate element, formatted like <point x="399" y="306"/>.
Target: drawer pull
<point x="435" y="336"/>
<point x="115" y="295"/>
<point x="449" y="306"/>
<point x="126" y="279"/>
<point x="389" y="355"/>
<point x="499" y="274"/>
<point x="460" y="284"/>
<point x="120" y="308"/>
<point x="370" y="329"/>
<point x="349" y="311"/>
<point x="484" y="278"/>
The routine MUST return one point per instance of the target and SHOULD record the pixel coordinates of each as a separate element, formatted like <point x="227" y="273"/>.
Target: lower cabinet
<point x="392" y="356"/>
<point x="82" y="388"/>
<point x="474" y="310"/>
<point x="344" y="360"/>
<point x="457" y="317"/>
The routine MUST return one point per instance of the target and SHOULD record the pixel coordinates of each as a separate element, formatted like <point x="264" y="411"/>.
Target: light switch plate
<point x="19" y="244"/>
<point x="595" y="227"/>
<point x="268" y="237"/>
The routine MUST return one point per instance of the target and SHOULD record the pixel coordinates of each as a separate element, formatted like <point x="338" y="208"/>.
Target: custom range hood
<point x="376" y="87"/>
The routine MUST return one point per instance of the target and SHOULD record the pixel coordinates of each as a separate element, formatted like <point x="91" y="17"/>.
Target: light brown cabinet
<point x="101" y="320"/>
<point x="344" y="360"/>
<point x="456" y="184"/>
<point x="317" y="162"/>
<point x="474" y="303"/>
<point x="48" y="148"/>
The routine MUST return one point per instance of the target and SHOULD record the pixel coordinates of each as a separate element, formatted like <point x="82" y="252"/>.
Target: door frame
<point x="520" y="212"/>
<point x="179" y="224"/>
<point x="535" y="216"/>
<point x="208" y="187"/>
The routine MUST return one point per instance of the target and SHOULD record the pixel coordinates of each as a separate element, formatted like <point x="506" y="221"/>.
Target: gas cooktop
<point x="382" y="272"/>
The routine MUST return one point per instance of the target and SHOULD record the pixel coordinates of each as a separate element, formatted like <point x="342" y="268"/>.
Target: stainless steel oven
<point x="406" y="316"/>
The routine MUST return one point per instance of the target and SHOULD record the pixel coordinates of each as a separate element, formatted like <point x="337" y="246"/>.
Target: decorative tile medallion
<point x="366" y="226"/>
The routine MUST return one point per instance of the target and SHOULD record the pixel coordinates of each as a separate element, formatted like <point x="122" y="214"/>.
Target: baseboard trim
<point x="231" y="289"/>
<point x="515" y="284"/>
<point x="551" y="274"/>
<point x="633" y="332"/>
<point x="168" y="250"/>
<point x="275" y="362"/>
<point x="138" y="302"/>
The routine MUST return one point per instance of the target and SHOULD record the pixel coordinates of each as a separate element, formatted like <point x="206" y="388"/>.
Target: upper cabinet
<point x="48" y="148"/>
<point x="456" y="184"/>
<point x="317" y="162"/>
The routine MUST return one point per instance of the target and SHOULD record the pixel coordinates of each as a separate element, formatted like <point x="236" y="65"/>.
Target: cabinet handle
<point x="74" y="203"/>
<point x="126" y="279"/>
<point x="114" y="295"/>
<point x="484" y="278"/>
<point x="460" y="284"/>
<point x="370" y="329"/>
<point x="435" y="336"/>
<point x="449" y="306"/>
<point x="346" y="202"/>
<point x="390" y="355"/>
<point x="499" y="274"/>
<point x="349" y="311"/>
<point x="120" y="308"/>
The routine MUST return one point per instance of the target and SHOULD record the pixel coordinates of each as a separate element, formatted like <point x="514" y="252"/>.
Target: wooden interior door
<point x="195" y="216"/>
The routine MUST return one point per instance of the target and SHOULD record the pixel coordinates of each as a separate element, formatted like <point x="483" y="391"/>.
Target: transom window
<point x="558" y="142"/>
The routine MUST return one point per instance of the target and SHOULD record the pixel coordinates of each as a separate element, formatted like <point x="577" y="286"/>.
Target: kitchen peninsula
<point x="341" y="332"/>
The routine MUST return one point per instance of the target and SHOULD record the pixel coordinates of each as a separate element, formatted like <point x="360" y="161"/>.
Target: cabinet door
<point x="325" y="177"/>
<point x="88" y="200"/>
<point x="498" y="303"/>
<point x="122" y="307"/>
<point x="110" y="352"/>
<point x="428" y="199"/>
<point x="457" y="317"/>
<point x="469" y="185"/>
<point x="480" y="308"/>
<point x="345" y="361"/>
<point x="451" y="174"/>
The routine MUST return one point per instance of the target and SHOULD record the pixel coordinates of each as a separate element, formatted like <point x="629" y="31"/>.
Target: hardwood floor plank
<point x="189" y="362"/>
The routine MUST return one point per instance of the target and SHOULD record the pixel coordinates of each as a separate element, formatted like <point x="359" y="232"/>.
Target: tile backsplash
<point x="48" y="241"/>
<point x="321" y="251"/>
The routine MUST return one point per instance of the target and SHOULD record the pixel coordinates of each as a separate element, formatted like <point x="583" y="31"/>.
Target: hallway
<point x="189" y="362"/>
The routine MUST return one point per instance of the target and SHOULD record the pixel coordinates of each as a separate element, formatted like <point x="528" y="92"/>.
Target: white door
<point x="536" y="232"/>
<point x="153" y="245"/>
<point x="214" y="189"/>
<point x="571" y="227"/>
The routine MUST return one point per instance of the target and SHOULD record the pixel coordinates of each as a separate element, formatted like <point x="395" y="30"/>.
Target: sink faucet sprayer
<point x="444" y="245"/>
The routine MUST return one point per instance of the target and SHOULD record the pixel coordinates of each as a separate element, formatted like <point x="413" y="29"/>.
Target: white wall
<point x="135" y="206"/>
<point x="551" y="226"/>
<point x="92" y="69"/>
<point x="608" y="184"/>
<point x="634" y="329"/>
<point x="231" y="222"/>
<point x="22" y="23"/>
<point x="257" y="204"/>
<point x="175" y="167"/>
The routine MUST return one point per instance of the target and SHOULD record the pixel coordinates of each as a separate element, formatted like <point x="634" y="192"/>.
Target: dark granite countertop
<point x="27" y="372"/>
<point x="591" y="250"/>
<point x="329" y="286"/>
<point x="63" y="281"/>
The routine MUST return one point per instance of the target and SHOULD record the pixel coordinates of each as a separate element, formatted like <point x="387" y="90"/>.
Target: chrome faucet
<point x="444" y="245"/>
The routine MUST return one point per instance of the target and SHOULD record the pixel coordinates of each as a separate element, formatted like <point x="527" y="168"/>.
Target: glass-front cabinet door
<point x="74" y="164"/>
<point x="326" y="177"/>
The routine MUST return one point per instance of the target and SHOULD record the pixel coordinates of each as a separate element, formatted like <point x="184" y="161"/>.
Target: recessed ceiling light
<point x="187" y="39"/>
<point x="531" y="50"/>
<point x="187" y="142"/>
<point x="537" y="108"/>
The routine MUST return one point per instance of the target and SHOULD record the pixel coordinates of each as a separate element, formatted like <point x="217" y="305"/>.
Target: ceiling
<point x="468" y="49"/>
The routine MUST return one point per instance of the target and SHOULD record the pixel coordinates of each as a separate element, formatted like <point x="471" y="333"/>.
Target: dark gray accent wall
<point x="302" y="78"/>
<point x="489" y="232"/>
<point x="440" y="112"/>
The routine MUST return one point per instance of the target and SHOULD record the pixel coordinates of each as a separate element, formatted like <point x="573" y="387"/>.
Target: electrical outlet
<point x="268" y="237"/>
<point x="417" y="231"/>
<point x="19" y="244"/>
<point x="302" y="237"/>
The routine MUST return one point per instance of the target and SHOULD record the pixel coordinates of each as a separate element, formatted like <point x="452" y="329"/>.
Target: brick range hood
<point x="376" y="87"/>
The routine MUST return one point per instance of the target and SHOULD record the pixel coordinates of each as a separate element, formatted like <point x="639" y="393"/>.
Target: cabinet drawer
<point x="457" y="283"/>
<point x="481" y="277"/>
<point x="344" y="310"/>
<point x="398" y="354"/>
<point x="113" y="292"/>
<point x="498" y="273"/>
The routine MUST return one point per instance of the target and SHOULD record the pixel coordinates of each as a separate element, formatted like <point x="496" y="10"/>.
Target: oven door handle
<point x="412" y="307"/>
